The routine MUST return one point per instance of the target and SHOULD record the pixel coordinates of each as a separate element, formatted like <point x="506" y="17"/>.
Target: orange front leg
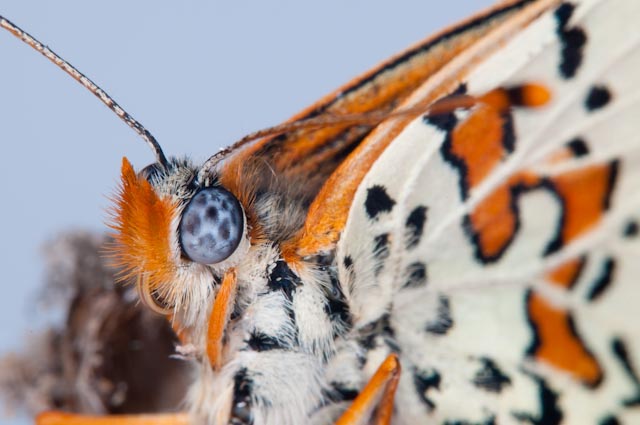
<point x="63" y="418"/>
<point x="381" y="389"/>
<point x="219" y="317"/>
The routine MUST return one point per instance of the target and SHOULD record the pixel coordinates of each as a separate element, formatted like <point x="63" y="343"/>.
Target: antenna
<point x="89" y="85"/>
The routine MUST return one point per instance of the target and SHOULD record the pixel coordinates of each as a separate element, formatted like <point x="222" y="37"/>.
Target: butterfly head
<point x="173" y="234"/>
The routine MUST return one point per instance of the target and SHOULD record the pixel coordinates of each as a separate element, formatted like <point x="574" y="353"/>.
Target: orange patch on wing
<point x="534" y="95"/>
<point x="585" y="192"/>
<point x="566" y="274"/>
<point x="497" y="100"/>
<point x="141" y="223"/>
<point x="477" y="141"/>
<point x="494" y="222"/>
<point x="529" y="95"/>
<point x="558" y="344"/>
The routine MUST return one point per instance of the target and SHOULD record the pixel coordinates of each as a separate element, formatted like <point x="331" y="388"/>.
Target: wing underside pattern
<point x="500" y="247"/>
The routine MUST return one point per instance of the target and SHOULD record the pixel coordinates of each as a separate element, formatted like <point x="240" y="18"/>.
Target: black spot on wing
<point x="444" y="122"/>
<point x="241" y="406"/>
<point x="572" y="41"/>
<point x="631" y="229"/>
<point x="378" y="332"/>
<point x="536" y="342"/>
<point x="597" y="98"/>
<point x="603" y="281"/>
<point x="582" y="262"/>
<point x="609" y="420"/>
<point x="415" y="226"/>
<point x="448" y="121"/>
<point x="378" y="201"/>
<point x="578" y="147"/>
<point x="380" y="252"/>
<point x="508" y="133"/>
<point x="550" y="413"/>
<point x="350" y="278"/>
<point x="621" y="352"/>
<point x="425" y="381"/>
<point x="282" y="278"/>
<point x="336" y="306"/>
<point x="416" y="275"/>
<point x="611" y="183"/>
<point x="558" y="241"/>
<point x="489" y="377"/>
<point x="443" y="321"/>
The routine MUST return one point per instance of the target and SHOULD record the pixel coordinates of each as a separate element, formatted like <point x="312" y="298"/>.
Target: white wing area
<point x="463" y="325"/>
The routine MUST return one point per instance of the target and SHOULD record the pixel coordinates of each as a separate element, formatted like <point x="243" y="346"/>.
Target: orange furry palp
<point x="141" y="222"/>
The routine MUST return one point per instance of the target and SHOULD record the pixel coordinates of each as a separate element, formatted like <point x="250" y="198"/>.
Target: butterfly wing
<point x="298" y="163"/>
<point x="497" y="251"/>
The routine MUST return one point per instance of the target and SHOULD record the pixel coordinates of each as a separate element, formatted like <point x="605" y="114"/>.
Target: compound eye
<point x="211" y="226"/>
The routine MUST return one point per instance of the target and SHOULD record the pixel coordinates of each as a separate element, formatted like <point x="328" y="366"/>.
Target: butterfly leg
<point x="63" y="418"/>
<point x="219" y="317"/>
<point x="380" y="389"/>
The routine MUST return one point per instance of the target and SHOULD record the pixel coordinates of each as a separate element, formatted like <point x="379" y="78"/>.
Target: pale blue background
<point x="199" y="75"/>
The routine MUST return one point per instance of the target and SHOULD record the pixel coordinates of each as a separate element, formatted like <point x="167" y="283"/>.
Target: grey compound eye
<point x="211" y="226"/>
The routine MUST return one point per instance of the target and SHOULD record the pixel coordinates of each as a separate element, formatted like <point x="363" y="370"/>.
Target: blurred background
<point x="199" y="75"/>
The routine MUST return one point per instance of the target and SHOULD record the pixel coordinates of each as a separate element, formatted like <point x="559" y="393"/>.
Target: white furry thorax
<point x="279" y="344"/>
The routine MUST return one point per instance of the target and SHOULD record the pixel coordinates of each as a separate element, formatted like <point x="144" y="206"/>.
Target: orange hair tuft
<point x="141" y="224"/>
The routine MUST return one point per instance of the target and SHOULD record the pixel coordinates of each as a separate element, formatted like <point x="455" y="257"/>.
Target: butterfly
<point x="449" y="238"/>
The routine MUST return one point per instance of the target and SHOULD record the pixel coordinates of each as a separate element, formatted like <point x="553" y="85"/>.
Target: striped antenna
<point x="89" y="85"/>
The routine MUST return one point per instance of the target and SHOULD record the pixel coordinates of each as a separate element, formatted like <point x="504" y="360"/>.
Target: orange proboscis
<point x="219" y="317"/>
<point x="63" y="418"/>
<point x="141" y="223"/>
<point x="380" y="389"/>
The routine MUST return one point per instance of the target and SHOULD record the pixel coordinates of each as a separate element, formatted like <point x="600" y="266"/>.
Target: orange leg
<point x="380" y="389"/>
<point x="62" y="418"/>
<point x="219" y="317"/>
